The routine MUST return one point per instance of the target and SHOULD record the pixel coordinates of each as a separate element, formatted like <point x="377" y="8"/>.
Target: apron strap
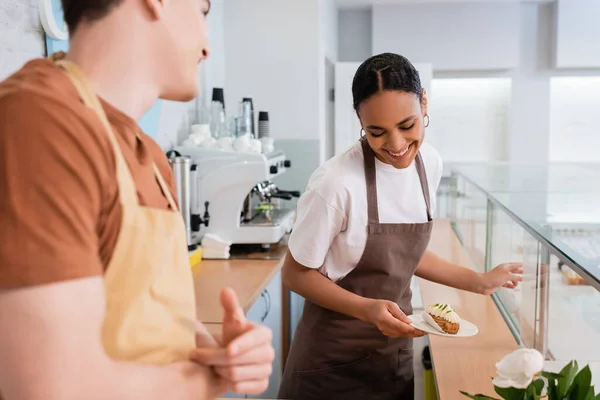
<point x="371" y="178"/>
<point x="424" y="184"/>
<point x="165" y="188"/>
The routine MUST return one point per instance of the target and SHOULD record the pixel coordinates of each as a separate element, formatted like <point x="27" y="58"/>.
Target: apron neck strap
<point x="165" y="188"/>
<point x="424" y="183"/>
<point x="371" y="178"/>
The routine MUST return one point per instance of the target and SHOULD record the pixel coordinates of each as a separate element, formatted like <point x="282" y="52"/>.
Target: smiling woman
<point x="361" y="233"/>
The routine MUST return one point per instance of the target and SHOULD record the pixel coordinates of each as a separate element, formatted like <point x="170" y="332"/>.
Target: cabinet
<point x="267" y="310"/>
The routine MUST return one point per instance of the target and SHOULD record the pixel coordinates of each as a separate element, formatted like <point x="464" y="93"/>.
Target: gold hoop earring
<point x="427" y="124"/>
<point x="362" y="133"/>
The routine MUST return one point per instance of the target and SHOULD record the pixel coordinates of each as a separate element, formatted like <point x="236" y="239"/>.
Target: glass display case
<point x="548" y="218"/>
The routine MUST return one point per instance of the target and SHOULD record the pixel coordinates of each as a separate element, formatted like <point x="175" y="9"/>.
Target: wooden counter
<point x="247" y="278"/>
<point x="466" y="364"/>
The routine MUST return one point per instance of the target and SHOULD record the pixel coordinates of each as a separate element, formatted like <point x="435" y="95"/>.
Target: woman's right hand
<point x="389" y="319"/>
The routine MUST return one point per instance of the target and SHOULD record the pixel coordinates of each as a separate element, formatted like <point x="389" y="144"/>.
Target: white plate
<point x="466" y="329"/>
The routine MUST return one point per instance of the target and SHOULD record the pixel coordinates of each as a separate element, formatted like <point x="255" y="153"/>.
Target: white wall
<point x="578" y="34"/>
<point x="21" y="35"/>
<point x="456" y="36"/>
<point x="272" y="55"/>
<point x="328" y="55"/>
<point x="328" y="25"/>
<point x="355" y="35"/>
<point x="275" y="53"/>
<point x="575" y="120"/>
<point x="469" y="119"/>
<point x="529" y="117"/>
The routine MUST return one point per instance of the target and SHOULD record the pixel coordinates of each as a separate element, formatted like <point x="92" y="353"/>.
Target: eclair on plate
<point x="445" y="317"/>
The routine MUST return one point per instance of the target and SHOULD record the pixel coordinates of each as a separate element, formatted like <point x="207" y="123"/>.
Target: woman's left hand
<point x="504" y="275"/>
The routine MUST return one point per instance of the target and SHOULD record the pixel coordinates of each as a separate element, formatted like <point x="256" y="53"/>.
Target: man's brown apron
<point x="334" y="356"/>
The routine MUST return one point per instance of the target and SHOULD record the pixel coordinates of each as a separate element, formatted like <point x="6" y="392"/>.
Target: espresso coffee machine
<point x="245" y="206"/>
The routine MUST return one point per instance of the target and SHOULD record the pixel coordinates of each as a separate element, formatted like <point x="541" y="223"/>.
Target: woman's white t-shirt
<point x="330" y="231"/>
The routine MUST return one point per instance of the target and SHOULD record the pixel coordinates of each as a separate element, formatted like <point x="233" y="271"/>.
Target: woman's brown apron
<point x="334" y="356"/>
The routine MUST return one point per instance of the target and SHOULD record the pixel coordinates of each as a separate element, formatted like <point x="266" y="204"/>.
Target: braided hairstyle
<point x="386" y="71"/>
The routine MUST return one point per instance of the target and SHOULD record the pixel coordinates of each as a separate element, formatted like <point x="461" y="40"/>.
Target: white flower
<point x="518" y="369"/>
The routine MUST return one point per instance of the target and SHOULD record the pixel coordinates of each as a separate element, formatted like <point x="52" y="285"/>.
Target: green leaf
<point x="584" y="378"/>
<point x="538" y="386"/>
<point x="478" y="396"/>
<point x="553" y="392"/>
<point x="510" y="393"/>
<point x="581" y="384"/>
<point x="551" y="375"/>
<point x="568" y="374"/>
<point x="590" y="394"/>
<point x="535" y="389"/>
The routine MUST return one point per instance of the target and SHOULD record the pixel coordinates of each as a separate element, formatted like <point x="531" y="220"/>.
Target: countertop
<point x="248" y="278"/>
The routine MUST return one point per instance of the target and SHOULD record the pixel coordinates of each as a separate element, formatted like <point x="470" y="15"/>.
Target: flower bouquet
<point x="520" y="376"/>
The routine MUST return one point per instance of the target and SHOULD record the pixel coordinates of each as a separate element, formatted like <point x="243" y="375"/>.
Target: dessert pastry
<point x="445" y="317"/>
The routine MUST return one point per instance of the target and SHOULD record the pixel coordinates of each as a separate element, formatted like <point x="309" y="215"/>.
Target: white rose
<point x="518" y="368"/>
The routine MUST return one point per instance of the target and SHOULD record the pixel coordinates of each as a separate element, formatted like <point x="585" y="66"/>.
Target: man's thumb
<point x="234" y="320"/>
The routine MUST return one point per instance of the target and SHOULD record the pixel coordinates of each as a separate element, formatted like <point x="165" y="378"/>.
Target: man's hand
<point x="504" y="275"/>
<point x="245" y="354"/>
<point x="51" y="348"/>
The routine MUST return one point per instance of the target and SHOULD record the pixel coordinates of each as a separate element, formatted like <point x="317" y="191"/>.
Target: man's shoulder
<point x="38" y="84"/>
<point x="48" y="122"/>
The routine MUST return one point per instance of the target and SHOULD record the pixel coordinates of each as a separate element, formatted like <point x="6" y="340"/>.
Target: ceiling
<point x="367" y="3"/>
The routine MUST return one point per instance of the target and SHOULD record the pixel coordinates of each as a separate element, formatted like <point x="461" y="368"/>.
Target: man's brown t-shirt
<point x="60" y="214"/>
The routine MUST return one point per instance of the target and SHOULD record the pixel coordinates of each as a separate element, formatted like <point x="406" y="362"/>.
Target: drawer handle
<point x="267" y="297"/>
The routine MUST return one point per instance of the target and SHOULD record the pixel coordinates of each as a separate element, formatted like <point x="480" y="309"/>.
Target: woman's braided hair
<point x="386" y="71"/>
